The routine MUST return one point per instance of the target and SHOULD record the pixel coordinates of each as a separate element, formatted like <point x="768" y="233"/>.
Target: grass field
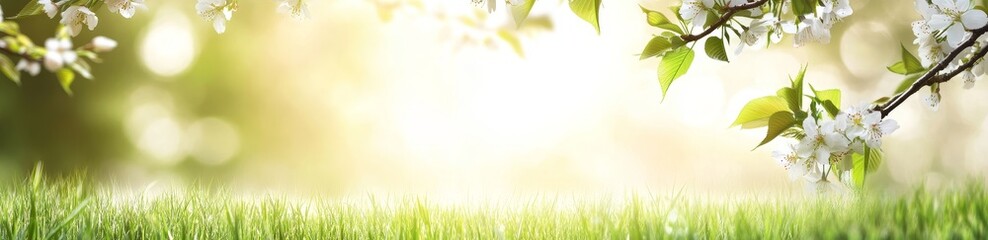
<point x="69" y="208"/>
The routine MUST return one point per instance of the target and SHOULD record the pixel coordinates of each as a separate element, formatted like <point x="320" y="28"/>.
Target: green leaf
<point x="65" y="78"/>
<point x="832" y="95"/>
<point x="865" y="163"/>
<point x="7" y="68"/>
<point x="756" y="113"/>
<point x="512" y="40"/>
<point x="910" y="62"/>
<point x="830" y="99"/>
<point x="778" y="123"/>
<point x="30" y="9"/>
<point x="657" y="19"/>
<point x="674" y="65"/>
<point x="908" y="81"/>
<point x="587" y="10"/>
<point x="9" y="28"/>
<point x="659" y="45"/>
<point x="520" y="12"/>
<point x="794" y="93"/>
<point x="803" y="7"/>
<point x="715" y="49"/>
<point x="898" y="68"/>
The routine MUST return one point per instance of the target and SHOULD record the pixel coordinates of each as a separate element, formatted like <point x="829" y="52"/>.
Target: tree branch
<point x="730" y="11"/>
<point x="934" y="75"/>
<point x="22" y="55"/>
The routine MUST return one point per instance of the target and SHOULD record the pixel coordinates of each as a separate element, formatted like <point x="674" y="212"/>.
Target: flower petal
<point x="974" y="19"/>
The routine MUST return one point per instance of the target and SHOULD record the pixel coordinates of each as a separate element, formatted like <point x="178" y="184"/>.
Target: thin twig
<point x="728" y="14"/>
<point x="934" y="75"/>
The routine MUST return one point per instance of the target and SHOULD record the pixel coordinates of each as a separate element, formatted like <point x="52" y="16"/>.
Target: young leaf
<point x="803" y="7"/>
<point x="715" y="49"/>
<point x="32" y="8"/>
<point x="656" y="19"/>
<point x="674" y="65"/>
<point x="906" y="83"/>
<point x="778" y="123"/>
<point x="831" y="95"/>
<point x="520" y="12"/>
<point x="7" y="68"/>
<point x="898" y="68"/>
<point x="910" y="62"/>
<point x="588" y="11"/>
<point x="65" y="78"/>
<point x="513" y="41"/>
<point x="659" y="45"/>
<point x="865" y="163"/>
<point x="794" y="93"/>
<point x="756" y="113"/>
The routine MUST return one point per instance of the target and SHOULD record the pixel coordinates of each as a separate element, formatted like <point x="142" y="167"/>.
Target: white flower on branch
<point x="216" y="11"/>
<point x="952" y="17"/>
<point x="969" y="78"/>
<point x="789" y="159"/>
<point x="103" y="44"/>
<point x="767" y="25"/>
<point x="833" y="11"/>
<point x="820" y="141"/>
<point x="933" y="100"/>
<point x="59" y="53"/>
<point x="696" y="11"/>
<point x="75" y="16"/>
<point x="876" y="128"/>
<point x="853" y="120"/>
<point x="931" y="50"/>
<point x="30" y="67"/>
<point x="491" y="4"/>
<point x="49" y="7"/>
<point x="126" y="8"/>
<point x="810" y="30"/>
<point x="298" y="9"/>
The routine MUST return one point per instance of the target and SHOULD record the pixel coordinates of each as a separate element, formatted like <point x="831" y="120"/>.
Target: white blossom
<point x="298" y="9"/>
<point x="103" y="44"/>
<point x="30" y="67"/>
<point x="59" y="53"/>
<point x="933" y="100"/>
<point x="876" y="128"/>
<point x="955" y="16"/>
<point x="852" y="120"/>
<point x="126" y="8"/>
<point x="767" y="25"/>
<point x="833" y="11"/>
<point x="789" y="159"/>
<point x="810" y="30"/>
<point x="696" y="11"/>
<point x="969" y="78"/>
<point x="931" y="50"/>
<point x="820" y="141"/>
<point x="49" y="7"/>
<point x="491" y="4"/>
<point x="76" y="16"/>
<point x="216" y="11"/>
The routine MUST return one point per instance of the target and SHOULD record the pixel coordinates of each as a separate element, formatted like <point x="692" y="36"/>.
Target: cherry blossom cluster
<point x="770" y="22"/>
<point x="57" y="54"/>
<point x="491" y="5"/>
<point x="826" y="145"/>
<point x="220" y="11"/>
<point x="945" y="25"/>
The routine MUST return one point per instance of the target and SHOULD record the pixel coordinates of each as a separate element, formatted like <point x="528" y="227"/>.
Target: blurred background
<point x="385" y="96"/>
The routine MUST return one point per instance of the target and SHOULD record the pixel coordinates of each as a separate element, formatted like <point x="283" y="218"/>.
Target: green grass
<point x="69" y="208"/>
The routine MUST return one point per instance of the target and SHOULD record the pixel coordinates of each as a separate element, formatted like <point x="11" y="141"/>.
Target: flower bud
<point x="103" y="44"/>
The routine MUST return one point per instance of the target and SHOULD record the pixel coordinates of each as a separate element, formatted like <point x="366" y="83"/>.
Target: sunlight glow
<point x="168" y="47"/>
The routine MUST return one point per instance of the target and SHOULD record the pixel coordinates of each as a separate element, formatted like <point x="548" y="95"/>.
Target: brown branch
<point x="934" y="75"/>
<point x="729" y="12"/>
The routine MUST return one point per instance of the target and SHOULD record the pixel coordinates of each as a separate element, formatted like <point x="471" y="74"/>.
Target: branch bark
<point x="729" y="12"/>
<point x="934" y="75"/>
